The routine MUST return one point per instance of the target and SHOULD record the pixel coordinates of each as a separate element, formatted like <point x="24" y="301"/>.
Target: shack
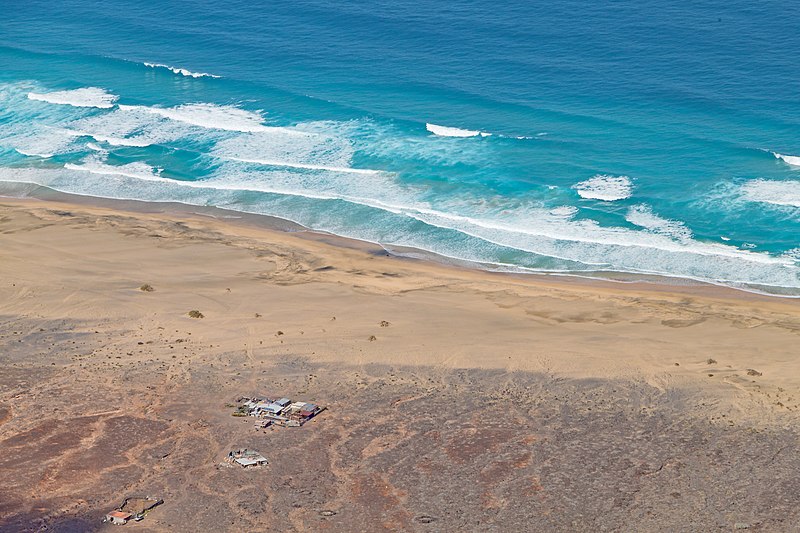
<point x="247" y="458"/>
<point x="282" y="412"/>
<point x="118" y="518"/>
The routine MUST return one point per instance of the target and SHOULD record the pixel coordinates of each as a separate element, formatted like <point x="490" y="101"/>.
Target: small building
<point x="247" y="462"/>
<point x="282" y="412"/>
<point x="273" y="408"/>
<point x="295" y="407"/>
<point x="309" y="410"/>
<point x="118" y="518"/>
<point x="247" y="458"/>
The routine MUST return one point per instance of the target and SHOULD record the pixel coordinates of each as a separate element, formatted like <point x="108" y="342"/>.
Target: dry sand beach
<point x="457" y="400"/>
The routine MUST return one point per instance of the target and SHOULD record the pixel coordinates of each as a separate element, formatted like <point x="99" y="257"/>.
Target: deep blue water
<point x="638" y="137"/>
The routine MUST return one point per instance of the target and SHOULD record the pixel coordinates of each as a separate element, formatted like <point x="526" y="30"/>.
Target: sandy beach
<point x="457" y="399"/>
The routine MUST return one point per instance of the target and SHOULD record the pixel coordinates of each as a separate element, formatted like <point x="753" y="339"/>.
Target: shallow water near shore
<point x="643" y="140"/>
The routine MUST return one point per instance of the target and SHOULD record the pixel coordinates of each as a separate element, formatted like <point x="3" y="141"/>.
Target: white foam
<point x="564" y="211"/>
<point x="33" y="154"/>
<point x="774" y="192"/>
<point x="141" y="126"/>
<point x="132" y="126"/>
<point x="793" y="254"/>
<point x="643" y="216"/>
<point x="136" y="170"/>
<point x="113" y="141"/>
<point x="85" y="97"/>
<point x="605" y="187"/>
<point x="325" y="154"/>
<point x="307" y="166"/>
<point x="43" y="142"/>
<point x="313" y="151"/>
<point x="93" y="146"/>
<point x="212" y="116"/>
<point x="536" y="231"/>
<point x="446" y="131"/>
<point x="525" y="228"/>
<point x="792" y="160"/>
<point x="181" y="71"/>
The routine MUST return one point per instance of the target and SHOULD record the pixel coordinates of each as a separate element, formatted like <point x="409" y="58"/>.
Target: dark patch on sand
<point x="399" y="448"/>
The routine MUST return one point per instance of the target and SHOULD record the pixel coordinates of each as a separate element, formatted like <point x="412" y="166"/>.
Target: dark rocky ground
<point x="83" y="425"/>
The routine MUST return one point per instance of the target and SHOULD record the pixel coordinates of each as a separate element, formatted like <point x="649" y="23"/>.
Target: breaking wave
<point x="643" y="216"/>
<point x="352" y="178"/>
<point x="605" y="187"/>
<point x="113" y="141"/>
<point x="774" y="192"/>
<point x="137" y="170"/>
<point x="446" y="131"/>
<point x="44" y="142"/>
<point x="792" y="160"/>
<point x="212" y="116"/>
<point x="85" y="97"/>
<point x="309" y="151"/>
<point x="182" y="71"/>
<point x="577" y="244"/>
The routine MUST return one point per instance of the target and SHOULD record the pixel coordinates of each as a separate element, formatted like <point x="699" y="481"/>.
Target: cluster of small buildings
<point x="281" y="412"/>
<point x="247" y="458"/>
<point x="133" y="508"/>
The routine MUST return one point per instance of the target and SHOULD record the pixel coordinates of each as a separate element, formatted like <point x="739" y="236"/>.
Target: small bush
<point x="372" y="338"/>
<point x="384" y="324"/>
<point x="146" y="288"/>
<point x="711" y="361"/>
<point x="194" y="313"/>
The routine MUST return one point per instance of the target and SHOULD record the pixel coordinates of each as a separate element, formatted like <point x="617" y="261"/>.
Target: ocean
<point x="631" y="138"/>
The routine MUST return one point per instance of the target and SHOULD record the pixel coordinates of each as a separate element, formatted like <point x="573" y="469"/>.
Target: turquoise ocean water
<point x="638" y="137"/>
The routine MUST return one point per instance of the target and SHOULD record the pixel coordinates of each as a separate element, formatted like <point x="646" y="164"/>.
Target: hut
<point x="118" y="518"/>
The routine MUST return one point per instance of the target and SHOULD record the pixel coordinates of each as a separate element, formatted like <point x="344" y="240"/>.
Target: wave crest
<point x="792" y="160"/>
<point x="774" y="192"/>
<point x="446" y="131"/>
<point x="85" y="97"/>
<point x="181" y="71"/>
<point x="212" y="116"/>
<point x="605" y="187"/>
<point x="643" y="216"/>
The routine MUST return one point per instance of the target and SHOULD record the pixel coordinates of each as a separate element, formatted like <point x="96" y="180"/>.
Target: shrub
<point x="194" y="313"/>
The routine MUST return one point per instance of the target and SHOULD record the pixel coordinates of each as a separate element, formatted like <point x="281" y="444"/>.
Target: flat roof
<point x="249" y="461"/>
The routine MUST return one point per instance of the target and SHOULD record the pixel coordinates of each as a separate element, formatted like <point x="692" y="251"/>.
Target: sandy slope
<point x="71" y="274"/>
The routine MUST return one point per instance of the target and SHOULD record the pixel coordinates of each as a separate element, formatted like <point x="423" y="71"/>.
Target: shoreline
<point x="441" y="384"/>
<point x="360" y="267"/>
<point x="602" y="279"/>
